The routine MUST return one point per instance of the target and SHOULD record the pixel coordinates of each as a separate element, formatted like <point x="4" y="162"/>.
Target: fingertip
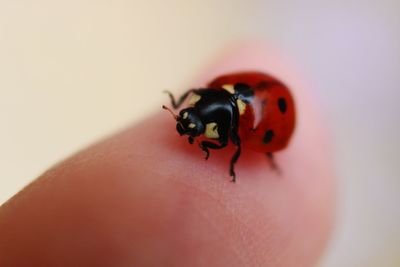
<point x="147" y="197"/>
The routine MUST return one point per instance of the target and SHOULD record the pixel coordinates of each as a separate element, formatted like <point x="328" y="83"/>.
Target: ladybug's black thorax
<point x="212" y="102"/>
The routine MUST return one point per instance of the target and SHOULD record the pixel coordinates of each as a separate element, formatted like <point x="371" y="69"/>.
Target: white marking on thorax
<point x="229" y="87"/>
<point x="212" y="130"/>
<point x="194" y="99"/>
<point x="241" y="106"/>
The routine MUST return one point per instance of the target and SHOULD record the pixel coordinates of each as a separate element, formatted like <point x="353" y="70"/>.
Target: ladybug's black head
<point x="189" y="123"/>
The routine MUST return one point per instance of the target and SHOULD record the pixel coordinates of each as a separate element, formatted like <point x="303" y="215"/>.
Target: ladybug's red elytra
<point x="250" y="109"/>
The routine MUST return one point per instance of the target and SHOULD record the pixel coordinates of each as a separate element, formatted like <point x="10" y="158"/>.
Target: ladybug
<point x="251" y="109"/>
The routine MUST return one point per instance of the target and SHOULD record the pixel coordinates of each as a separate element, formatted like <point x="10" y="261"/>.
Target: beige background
<point x="74" y="71"/>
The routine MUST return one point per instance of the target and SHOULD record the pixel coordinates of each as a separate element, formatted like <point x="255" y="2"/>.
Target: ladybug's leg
<point x="205" y="146"/>
<point x="272" y="162"/>
<point x="235" y="140"/>
<point x="177" y="103"/>
<point x="191" y="140"/>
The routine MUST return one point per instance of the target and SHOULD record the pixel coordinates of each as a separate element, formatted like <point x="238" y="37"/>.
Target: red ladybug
<point x="252" y="109"/>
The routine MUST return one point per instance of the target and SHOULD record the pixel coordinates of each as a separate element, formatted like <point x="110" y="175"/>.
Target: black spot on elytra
<point x="282" y="105"/>
<point x="268" y="136"/>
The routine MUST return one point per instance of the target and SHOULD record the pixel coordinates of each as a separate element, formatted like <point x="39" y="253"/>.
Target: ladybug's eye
<point x="180" y="129"/>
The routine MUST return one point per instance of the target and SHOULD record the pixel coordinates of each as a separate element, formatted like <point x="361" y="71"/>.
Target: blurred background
<point x="72" y="71"/>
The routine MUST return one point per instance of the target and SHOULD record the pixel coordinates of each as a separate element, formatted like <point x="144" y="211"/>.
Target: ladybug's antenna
<point x="170" y="111"/>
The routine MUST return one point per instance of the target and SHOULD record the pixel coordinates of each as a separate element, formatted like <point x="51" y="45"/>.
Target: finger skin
<point x="145" y="197"/>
